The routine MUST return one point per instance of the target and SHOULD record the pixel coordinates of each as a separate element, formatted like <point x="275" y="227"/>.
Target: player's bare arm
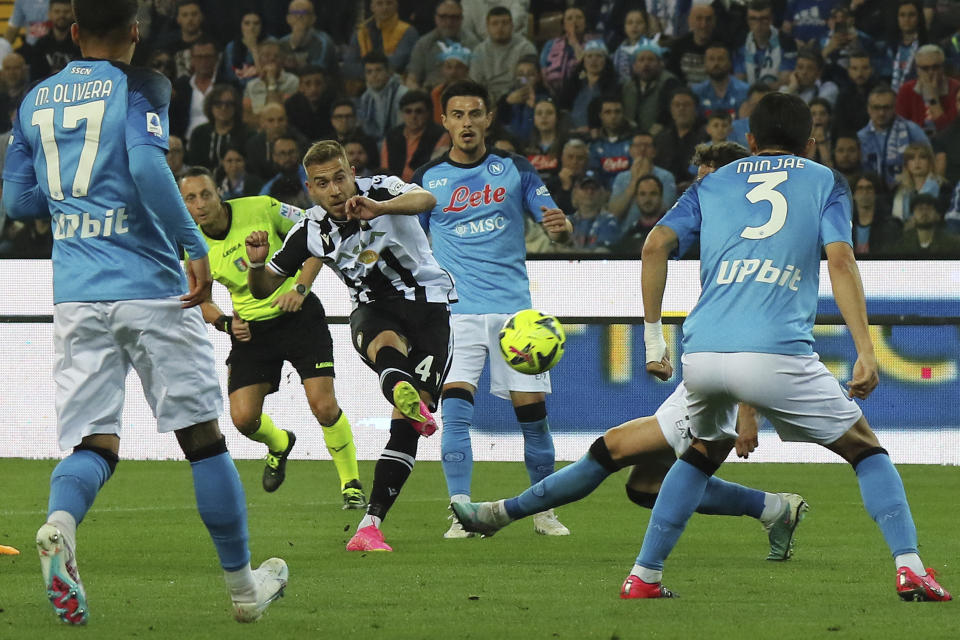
<point x="199" y="282"/>
<point x="556" y="224"/>
<point x="410" y="203"/>
<point x="261" y="281"/>
<point x="747" y="427"/>
<point x="653" y="280"/>
<point x="292" y="300"/>
<point x="848" y="293"/>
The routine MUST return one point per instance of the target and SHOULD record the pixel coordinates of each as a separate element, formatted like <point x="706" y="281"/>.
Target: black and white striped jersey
<point x="387" y="257"/>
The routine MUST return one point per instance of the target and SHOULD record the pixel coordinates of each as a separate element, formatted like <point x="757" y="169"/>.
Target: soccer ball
<point x="532" y="342"/>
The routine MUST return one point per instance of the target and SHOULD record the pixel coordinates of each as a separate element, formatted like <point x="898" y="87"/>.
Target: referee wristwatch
<point x="301" y="289"/>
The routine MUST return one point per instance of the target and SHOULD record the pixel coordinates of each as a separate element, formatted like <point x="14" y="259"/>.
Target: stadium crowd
<point x="609" y="100"/>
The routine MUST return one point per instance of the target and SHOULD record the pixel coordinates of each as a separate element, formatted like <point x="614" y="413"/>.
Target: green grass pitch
<point x="151" y="572"/>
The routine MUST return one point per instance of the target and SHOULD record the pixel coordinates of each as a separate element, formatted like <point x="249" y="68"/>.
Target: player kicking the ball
<point x="366" y="230"/>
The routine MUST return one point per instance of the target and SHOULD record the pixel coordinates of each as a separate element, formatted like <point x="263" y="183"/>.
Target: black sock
<point x="393" y="468"/>
<point x="392" y="367"/>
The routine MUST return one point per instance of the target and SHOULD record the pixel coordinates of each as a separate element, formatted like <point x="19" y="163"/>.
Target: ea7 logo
<point x="439" y="182"/>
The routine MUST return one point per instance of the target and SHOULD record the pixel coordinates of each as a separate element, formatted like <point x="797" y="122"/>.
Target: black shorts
<point x="424" y="325"/>
<point x="301" y="338"/>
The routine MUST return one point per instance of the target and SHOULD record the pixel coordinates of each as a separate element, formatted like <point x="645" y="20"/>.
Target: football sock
<point x="538" y="452"/>
<point x="569" y="484"/>
<point x="276" y="439"/>
<point x="729" y="499"/>
<point x="76" y="480"/>
<point x="681" y="492"/>
<point x="369" y="520"/>
<point x="339" y="440"/>
<point x="911" y="561"/>
<point x="773" y="506"/>
<point x="456" y="451"/>
<point x="241" y="585"/>
<point x="886" y="502"/>
<point x="393" y="468"/>
<point x="392" y="367"/>
<point x="222" y="507"/>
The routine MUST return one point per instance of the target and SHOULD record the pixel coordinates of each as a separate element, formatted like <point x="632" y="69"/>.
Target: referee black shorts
<point x="301" y="338"/>
<point x="424" y="325"/>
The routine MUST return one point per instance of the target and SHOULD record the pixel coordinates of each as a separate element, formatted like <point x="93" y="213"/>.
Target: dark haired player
<point x="762" y="222"/>
<point x="88" y="149"/>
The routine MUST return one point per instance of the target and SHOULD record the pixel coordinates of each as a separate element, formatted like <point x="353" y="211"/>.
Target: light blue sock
<point x="75" y="482"/>
<point x="223" y="508"/>
<point x="724" y="498"/>
<point x="886" y="502"/>
<point x="456" y="452"/>
<point x="681" y="492"/>
<point x="538" y="452"/>
<point x="569" y="484"/>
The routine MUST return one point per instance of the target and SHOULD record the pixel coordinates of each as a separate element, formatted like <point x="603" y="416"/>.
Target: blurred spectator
<point x="259" y="148"/>
<point x="27" y="239"/>
<point x="821" y="113"/>
<point x="886" y="136"/>
<point x="239" y="57"/>
<point x="415" y="142"/>
<point x="943" y="16"/>
<point x="707" y="158"/>
<point x="455" y="67"/>
<point x="494" y="60"/>
<point x="846" y="156"/>
<point x="675" y="144"/>
<point x="383" y="31"/>
<point x="286" y="159"/>
<point x="377" y="108"/>
<point x="356" y="149"/>
<point x="475" y="14"/>
<point x="928" y="237"/>
<point x="805" y="81"/>
<point x="741" y="125"/>
<point x="910" y="33"/>
<point x="162" y="61"/>
<point x="850" y="109"/>
<point x="233" y="180"/>
<point x="14" y="81"/>
<point x="343" y="120"/>
<point x="426" y="60"/>
<point x="593" y="77"/>
<point x="841" y="41"/>
<point x="669" y="17"/>
<point x="721" y="91"/>
<point x="561" y="55"/>
<point x="623" y="191"/>
<point x="766" y="55"/>
<point x="646" y="95"/>
<point x="610" y="150"/>
<point x="593" y="226"/>
<point x="30" y="16"/>
<point x="307" y="44"/>
<point x="806" y="20"/>
<point x="289" y="189"/>
<point x="224" y="128"/>
<point x="686" y="59"/>
<point x="51" y="53"/>
<point x="946" y="147"/>
<point x="189" y="92"/>
<point x="515" y="108"/>
<point x="546" y="140"/>
<point x="573" y="166"/>
<point x="931" y="99"/>
<point x="634" y="35"/>
<point x="648" y="203"/>
<point x="179" y="42"/>
<point x="952" y="217"/>
<point x="309" y="108"/>
<point x="874" y="230"/>
<point x="917" y="178"/>
<point x="273" y="84"/>
<point x="951" y="49"/>
<point x="175" y="157"/>
<point x="156" y="18"/>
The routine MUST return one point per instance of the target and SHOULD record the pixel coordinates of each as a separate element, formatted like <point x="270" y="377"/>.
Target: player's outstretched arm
<point x="415" y="201"/>
<point x="23" y="201"/>
<point x="260" y="280"/>
<point x="848" y="293"/>
<point x="653" y="280"/>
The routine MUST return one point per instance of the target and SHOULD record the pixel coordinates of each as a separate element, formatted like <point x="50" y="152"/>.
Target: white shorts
<point x="95" y="345"/>
<point x="797" y="394"/>
<point x="474" y="337"/>
<point x="674" y="420"/>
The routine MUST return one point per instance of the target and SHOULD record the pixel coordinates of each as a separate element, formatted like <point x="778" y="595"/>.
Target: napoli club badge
<point x="495" y="168"/>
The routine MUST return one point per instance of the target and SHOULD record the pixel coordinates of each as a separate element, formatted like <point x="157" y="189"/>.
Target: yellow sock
<point x="339" y="441"/>
<point x="268" y="433"/>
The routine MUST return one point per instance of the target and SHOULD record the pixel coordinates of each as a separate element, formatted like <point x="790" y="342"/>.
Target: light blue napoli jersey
<point x="72" y="135"/>
<point x="761" y="222"/>
<point x="477" y="227"/>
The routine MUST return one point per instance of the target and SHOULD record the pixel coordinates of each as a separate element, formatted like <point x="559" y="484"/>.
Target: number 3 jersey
<point x="387" y="257"/>
<point x="761" y="222"/>
<point x="71" y="135"/>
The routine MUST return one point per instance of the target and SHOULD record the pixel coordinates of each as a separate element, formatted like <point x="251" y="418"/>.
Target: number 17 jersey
<point x="761" y="222"/>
